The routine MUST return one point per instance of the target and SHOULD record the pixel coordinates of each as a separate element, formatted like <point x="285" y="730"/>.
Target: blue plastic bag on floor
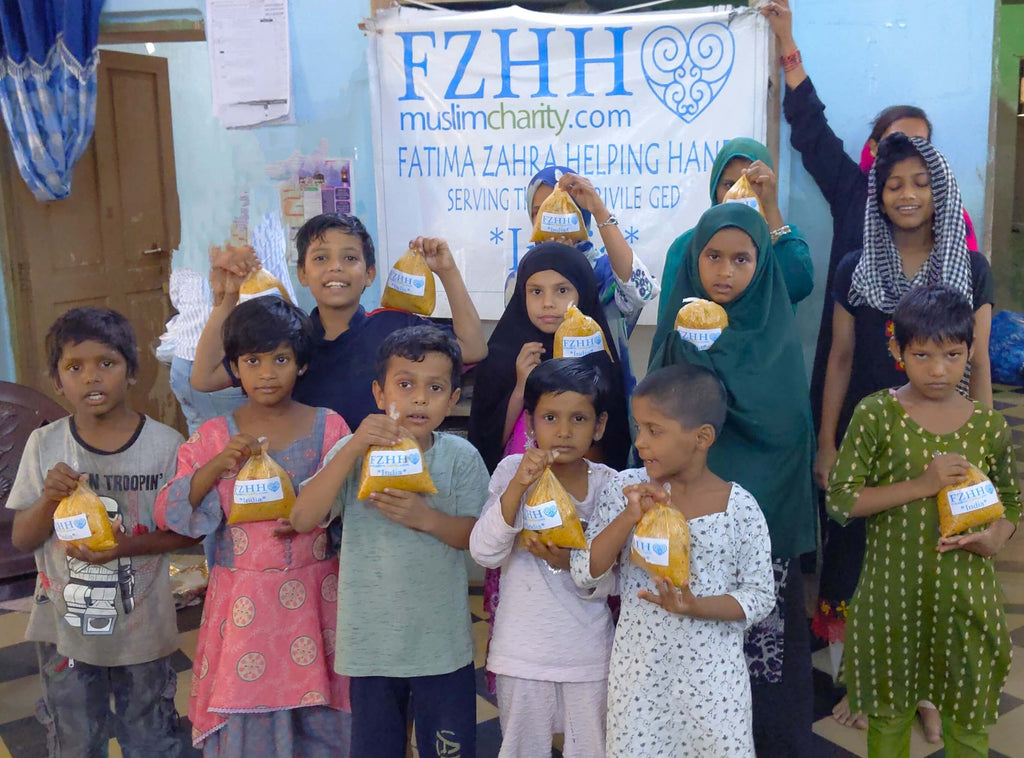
<point x="1006" y="348"/>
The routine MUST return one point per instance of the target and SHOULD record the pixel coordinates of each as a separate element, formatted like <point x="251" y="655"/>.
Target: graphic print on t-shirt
<point x="93" y="588"/>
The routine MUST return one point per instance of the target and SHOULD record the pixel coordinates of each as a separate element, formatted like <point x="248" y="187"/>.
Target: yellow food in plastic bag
<point x="742" y="192"/>
<point x="259" y="283"/>
<point x="701" y="322"/>
<point x="410" y="286"/>
<point x="661" y="545"/>
<point x="263" y="490"/>
<point x="550" y="514"/>
<point x="579" y="335"/>
<point x="400" y="467"/>
<point x="967" y="504"/>
<point x="81" y="519"/>
<point x="559" y="218"/>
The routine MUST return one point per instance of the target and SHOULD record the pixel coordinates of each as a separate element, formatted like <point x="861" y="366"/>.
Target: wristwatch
<point x="611" y="221"/>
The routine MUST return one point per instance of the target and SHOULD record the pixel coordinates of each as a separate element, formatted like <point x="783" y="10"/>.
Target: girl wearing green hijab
<point x="738" y="157"/>
<point x="766" y="444"/>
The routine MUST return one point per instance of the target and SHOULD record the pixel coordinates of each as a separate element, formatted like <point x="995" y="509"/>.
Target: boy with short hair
<point x="337" y="263"/>
<point x="903" y="447"/>
<point x="403" y="606"/>
<point x="104" y="622"/>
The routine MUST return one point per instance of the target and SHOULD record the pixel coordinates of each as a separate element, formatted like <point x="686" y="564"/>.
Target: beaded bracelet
<point x="777" y="234"/>
<point x="792" y="61"/>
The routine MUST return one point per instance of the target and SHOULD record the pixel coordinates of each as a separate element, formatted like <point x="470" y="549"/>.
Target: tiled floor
<point x="21" y="736"/>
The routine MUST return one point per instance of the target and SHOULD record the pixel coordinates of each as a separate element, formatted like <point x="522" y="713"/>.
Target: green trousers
<point x="890" y="738"/>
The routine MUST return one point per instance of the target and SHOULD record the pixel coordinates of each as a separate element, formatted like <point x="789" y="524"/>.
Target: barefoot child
<point x="262" y="673"/>
<point x="403" y="603"/>
<point x="678" y="683"/>
<point x="551" y="641"/>
<point x="904" y="445"/>
<point x="103" y="622"/>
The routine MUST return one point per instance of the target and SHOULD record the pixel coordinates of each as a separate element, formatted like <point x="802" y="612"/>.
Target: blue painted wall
<point x="862" y="54"/>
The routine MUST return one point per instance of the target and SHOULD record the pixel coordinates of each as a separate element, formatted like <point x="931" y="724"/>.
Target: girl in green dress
<point x="926" y="622"/>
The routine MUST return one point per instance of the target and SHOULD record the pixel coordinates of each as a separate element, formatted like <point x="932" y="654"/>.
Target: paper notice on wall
<point x="250" y="61"/>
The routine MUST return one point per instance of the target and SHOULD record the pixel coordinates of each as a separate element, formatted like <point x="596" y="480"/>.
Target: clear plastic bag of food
<point x="410" y="286"/>
<point x="261" y="283"/>
<point x="701" y="322"/>
<point x="559" y="218"/>
<point x="263" y="490"/>
<point x="661" y="545"/>
<point x="398" y="467"/>
<point x="972" y="502"/>
<point x="578" y="335"/>
<point x="81" y="519"/>
<point x="550" y="514"/>
<point x="742" y="192"/>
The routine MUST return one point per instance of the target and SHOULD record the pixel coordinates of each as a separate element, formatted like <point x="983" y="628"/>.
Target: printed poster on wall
<point x="467" y="107"/>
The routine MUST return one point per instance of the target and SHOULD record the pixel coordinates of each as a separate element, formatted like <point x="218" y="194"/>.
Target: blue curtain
<point x="48" y="61"/>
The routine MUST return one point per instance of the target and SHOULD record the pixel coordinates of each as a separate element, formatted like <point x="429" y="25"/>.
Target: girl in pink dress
<point x="263" y="680"/>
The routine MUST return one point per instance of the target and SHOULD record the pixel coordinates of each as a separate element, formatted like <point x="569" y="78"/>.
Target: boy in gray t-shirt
<point x="104" y="622"/>
<point x="403" y="610"/>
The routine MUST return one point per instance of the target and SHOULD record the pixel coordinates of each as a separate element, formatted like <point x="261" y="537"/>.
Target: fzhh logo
<point x="687" y="74"/>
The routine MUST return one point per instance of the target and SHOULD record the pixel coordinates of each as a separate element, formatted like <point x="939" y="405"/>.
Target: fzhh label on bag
<point x="654" y="550"/>
<point x="559" y="223"/>
<point x="543" y="516"/>
<point x="971" y="498"/>
<point x="577" y="347"/>
<point x="72" y="527"/>
<point x="262" y="293"/>
<point x="258" y="490"/>
<point x="395" y="462"/>
<point x="410" y="284"/>
<point x="749" y="201"/>
<point x="701" y="338"/>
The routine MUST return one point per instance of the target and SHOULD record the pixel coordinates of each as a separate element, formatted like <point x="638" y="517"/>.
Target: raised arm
<point x="465" y="320"/>
<point x="837" y="175"/>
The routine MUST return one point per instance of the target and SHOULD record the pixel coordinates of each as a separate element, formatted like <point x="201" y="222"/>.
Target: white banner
<point x="467" y="107"/>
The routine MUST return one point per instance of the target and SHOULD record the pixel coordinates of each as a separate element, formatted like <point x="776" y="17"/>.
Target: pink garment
<point x="266" y="638"/>
<point x="518" y="441"/>
<point x="867" y="160"/>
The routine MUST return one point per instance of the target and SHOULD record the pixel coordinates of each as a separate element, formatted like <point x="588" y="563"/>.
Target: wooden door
<point x="108" y="243"/>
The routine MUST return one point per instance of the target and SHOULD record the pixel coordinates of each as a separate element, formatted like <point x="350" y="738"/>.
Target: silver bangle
<point x="610" y="221"/>
<point x="780" y="232"/>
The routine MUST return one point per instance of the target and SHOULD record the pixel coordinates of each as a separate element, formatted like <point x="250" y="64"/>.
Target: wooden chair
<point x="22" y="410"/>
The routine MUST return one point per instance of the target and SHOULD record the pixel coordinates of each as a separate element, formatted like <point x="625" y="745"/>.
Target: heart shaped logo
<point x="274" y="485"/>
<point x="687" y="74"/>
<point x="414" y="458"/>
<point x="81" y="522"/>
<point x="551" y="511"/>
<point x="659" y="549"/>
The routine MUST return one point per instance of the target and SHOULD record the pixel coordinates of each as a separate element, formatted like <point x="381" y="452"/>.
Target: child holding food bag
<point x="678" y="682"/>
<point x="403" y="609"/>
<point x="766" y="443"/>
<point x="551" y="641"/>
<point x="262" y="673"/>
<point x="624" y="285"/>
<point x="102" y="619"/>
<point x="903" y="448"/>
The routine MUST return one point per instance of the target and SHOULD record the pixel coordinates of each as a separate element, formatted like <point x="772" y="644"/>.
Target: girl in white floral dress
<point x="678" y="684"/>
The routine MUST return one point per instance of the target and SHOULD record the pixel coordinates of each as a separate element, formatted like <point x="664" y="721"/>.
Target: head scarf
<point x="867" y="162"/>
<point x="740" y="147"/>
<point x="496" y="375"/>
<point x="548" y="177"/>
<point x="767" y="441"/>
<point x="878" y="279"/>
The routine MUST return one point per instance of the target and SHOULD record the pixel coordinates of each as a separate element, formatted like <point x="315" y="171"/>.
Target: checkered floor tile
<point x="21" y="736"/>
